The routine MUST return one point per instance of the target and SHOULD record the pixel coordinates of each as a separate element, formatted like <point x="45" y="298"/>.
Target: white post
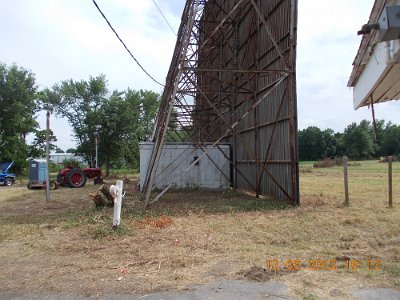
<point x="117" y="203"/>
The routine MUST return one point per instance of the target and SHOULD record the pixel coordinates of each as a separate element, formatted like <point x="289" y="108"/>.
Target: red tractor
<point x="76" y="178"/>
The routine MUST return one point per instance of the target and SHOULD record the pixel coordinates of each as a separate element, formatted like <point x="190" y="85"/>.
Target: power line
<point x="130" y="53"/>
<point x="173" y="31"/>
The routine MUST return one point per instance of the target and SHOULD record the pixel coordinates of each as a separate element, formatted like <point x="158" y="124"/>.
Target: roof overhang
<point x="375" y="76"/>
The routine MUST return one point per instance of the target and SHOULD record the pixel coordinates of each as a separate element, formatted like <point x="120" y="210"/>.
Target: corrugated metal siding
<point x="243" y="43"/>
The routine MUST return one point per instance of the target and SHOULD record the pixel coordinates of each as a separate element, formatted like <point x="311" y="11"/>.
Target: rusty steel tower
<point x="232" y="79"/>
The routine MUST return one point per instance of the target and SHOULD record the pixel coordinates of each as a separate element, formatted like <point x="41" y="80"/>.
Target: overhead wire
<point x="122" y="42"/>
<point x="166" y="20"/>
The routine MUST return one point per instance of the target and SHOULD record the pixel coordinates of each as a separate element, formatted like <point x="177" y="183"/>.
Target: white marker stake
<point x="117" y="203"/>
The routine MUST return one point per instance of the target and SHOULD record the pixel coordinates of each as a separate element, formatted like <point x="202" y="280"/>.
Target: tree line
<point x="119" y="119"/>
<point x="358" y="141"/>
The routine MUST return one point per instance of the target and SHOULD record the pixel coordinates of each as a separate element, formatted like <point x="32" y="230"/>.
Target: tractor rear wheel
<point x="76" y="178"/>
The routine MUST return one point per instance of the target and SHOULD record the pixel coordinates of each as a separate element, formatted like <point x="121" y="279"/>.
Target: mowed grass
<point x="192" y="237"/>
<point x="368" y="182"/>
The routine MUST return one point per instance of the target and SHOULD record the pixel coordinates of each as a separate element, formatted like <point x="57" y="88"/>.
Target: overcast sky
<point x="64" y="39"/>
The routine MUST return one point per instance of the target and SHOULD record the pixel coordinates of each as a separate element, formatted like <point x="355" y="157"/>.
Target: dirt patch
<point x="256" y="273"/>
<point x="160" y="222"/>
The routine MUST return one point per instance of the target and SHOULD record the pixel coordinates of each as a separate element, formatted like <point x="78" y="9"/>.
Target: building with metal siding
<point x="233" y="79"/>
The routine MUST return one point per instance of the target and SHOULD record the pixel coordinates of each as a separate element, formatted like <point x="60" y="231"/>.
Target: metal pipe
<point x="96" y="151"/>
<point x="96" y="137"/>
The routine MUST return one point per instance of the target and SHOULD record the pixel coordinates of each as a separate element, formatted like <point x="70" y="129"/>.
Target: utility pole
<point x="49" y="109"/>
<point x="96" y="136"/>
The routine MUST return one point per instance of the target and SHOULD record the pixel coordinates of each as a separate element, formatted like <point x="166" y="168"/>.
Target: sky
<point x="68" y="39"/>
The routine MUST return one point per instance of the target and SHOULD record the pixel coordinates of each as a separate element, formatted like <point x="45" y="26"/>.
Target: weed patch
<point x="101" y="231"/>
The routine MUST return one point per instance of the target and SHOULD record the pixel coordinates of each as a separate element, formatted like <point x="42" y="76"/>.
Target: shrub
<point x="325" y="163"/>
<point x="71" y="162"/>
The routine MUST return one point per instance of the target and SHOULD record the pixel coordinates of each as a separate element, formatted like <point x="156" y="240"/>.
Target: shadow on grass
<point x="183" y="202"/>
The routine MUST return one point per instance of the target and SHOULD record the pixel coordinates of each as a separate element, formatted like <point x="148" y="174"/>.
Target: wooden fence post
<point x="346" y="182"/>
<point x="390" y="159"/>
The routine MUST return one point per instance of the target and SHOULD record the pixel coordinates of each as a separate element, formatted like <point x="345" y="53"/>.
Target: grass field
<point x="321" y="249"/>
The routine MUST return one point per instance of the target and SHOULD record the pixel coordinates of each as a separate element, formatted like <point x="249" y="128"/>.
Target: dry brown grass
<point x="197" y="237"/>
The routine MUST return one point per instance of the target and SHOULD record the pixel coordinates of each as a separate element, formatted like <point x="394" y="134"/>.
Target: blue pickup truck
<point x="5" y="177"/>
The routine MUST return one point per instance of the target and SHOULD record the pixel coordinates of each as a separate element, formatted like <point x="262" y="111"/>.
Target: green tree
<point x="124" y="118"/>
<point x="79" y="102"/>
<point x="311" y="144"/>
<point x="330" y="143"/>
<point x="148" y="105"/>
<point x="358" y="140"/>
<point x="70" y="150"/>
<point x="38" y="147"/>
<point x="377" y="132"/>
<point x="59" y="150"/>
<point x="391" y="140"/>
<point x="115" y="119"/>
<point x="18" y="105"/>
<point x="340" y="147"/>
